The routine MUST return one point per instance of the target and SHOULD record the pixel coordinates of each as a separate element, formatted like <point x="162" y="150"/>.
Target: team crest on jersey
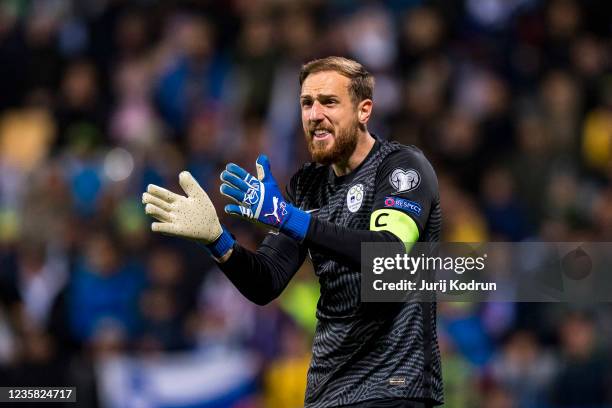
<point x="404" y="180"/>
<point x="354" y="197"/>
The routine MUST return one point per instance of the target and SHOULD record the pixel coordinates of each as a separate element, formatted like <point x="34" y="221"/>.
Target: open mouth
<point x="321" y="134"/>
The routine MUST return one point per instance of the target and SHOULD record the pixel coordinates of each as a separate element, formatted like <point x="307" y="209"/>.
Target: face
<point x="330" y="119"/>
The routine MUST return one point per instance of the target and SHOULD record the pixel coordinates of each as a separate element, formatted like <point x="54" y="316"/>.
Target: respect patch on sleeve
<point x="403" y="204"/>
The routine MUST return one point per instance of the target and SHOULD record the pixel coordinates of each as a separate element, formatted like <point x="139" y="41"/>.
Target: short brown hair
<point x="362" y="82"/>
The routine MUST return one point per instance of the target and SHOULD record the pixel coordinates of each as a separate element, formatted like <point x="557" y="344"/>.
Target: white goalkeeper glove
<point x="193" y="216"/>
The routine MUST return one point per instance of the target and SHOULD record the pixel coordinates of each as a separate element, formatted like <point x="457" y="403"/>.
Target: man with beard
<point x="358" y="188"/>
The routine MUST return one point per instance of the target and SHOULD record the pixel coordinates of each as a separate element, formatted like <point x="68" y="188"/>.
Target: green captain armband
<point x="396" y="222"/>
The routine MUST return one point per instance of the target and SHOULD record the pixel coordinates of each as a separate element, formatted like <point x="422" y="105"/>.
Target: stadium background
<point x="510" y="99"/>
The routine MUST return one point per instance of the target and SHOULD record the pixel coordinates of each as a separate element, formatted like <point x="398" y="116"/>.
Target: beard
<point x="339" y="150"/>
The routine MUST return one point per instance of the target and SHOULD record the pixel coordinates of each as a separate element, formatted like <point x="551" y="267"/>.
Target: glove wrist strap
<point x="224" y="243"/>
<point x="296" y="225"/>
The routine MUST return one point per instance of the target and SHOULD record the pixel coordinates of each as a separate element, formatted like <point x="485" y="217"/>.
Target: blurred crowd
<point x="511" y="100"/>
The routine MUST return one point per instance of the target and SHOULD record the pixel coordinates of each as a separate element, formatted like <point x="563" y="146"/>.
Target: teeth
<point x="320" y="132"/>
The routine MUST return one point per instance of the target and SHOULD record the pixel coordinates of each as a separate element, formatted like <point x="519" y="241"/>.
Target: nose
<point x="316" y="112"/>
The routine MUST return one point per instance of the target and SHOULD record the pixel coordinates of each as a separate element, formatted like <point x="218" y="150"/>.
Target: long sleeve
<point x="261" y="276"/>
<point x="340" y="241"/>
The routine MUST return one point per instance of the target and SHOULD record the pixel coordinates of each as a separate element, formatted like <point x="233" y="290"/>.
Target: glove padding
<point x="193" y="216"/>
<point x="260" y="200"/>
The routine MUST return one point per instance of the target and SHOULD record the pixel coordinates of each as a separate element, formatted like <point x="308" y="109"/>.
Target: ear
<point x="364" y="110"/>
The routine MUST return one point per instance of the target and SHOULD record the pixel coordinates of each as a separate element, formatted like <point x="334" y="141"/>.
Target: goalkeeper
<point x="358" y="188"/>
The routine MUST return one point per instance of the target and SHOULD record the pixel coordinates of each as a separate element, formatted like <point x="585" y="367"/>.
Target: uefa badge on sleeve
<point x="404" y="180"/>
<point x="354" y="198"/>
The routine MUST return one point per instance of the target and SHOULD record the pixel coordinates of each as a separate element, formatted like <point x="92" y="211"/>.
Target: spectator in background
<point x="534" y="143"/>
<point x="203" y="146"/>
<point x="585" y="374"/>
<point x="41" y="277"/>
<point x="502" y="208"/>
<point x="597" y="134"/>
<point x="458" y="376"/>
<point x="195" y="80"/>
<point x="104" y="292"/>
<point x="167" y="301"/>
<point x="524" y="369"/>
<point x="80" y="108"/>
<point x="285" y="380"/>
<point x="134" y="121"/>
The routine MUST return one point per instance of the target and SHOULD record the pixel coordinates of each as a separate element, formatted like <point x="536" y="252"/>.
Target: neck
<point x="364" y="145"/>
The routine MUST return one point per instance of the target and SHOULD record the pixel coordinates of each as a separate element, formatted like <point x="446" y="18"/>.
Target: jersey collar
<point x="347" y="178"/>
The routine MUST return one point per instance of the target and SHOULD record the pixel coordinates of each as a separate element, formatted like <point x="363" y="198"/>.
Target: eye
<point x="306" y="102"/>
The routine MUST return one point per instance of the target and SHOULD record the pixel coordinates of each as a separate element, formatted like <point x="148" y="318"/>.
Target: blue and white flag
<point x="221" y="379"/>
